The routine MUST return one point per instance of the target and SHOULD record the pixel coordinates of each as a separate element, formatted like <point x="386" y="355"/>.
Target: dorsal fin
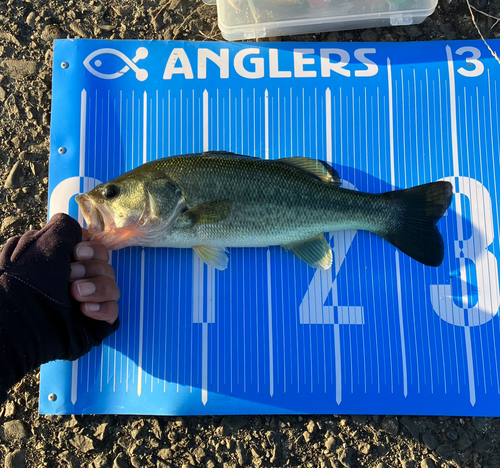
<point x="320" y="169"/>
<point x="226" y="153"/>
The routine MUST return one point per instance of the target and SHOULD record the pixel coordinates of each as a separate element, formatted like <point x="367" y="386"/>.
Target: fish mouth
<point x="91" y="214"/>
<point x="101" y="225"/>
<point x="142" y="231"/>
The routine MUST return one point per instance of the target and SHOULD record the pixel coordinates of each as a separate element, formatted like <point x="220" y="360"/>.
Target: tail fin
<point x="412" y="228"/>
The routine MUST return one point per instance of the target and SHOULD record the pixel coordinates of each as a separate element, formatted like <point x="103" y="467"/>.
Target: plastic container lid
<point x="250" y="19"/>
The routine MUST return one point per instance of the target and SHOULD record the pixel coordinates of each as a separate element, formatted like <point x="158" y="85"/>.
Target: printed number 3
<point x="473" y="61"/>
<point x="474" y="249"/>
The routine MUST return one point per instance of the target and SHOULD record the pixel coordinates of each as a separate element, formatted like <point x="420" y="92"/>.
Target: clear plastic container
<point x="250" y="19"/>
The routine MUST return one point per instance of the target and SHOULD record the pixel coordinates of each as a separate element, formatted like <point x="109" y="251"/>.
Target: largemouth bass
<point x="215" y="200"/>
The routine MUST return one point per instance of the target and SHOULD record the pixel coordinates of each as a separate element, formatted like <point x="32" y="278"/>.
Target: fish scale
<point x="273" y="203"/>
<point x="215" y="200"/>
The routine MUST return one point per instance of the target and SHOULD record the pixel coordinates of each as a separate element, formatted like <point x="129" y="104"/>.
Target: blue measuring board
<point x="378" y="333"/>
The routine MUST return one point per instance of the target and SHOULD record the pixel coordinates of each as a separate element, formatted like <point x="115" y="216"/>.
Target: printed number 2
<point x="475" y="250"/>
<point x="473" y="61"/>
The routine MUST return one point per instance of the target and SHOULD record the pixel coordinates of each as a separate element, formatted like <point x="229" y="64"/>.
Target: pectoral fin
<point x="213" y="256"/>
<point x="205" y="213"/>
<point x="316" y="252"/>
<point x="320" y="169"/>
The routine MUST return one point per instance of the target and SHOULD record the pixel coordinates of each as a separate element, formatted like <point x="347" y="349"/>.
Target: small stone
<point x="122" y="10"/>
<point x="30" y="19"/>
<point x="135" y="461"/>
<point x="76" y="27"/>
<point x="199" y="454"/>
<point x="345" y="456"/>
<point x="464" y="441"/>
<point x="481" y="424"/>
<point x="9" y="408"/>
<point x="413" y="31"/>
<point x="359" y="418"/>
<point x="2" y="94"/>
<point x="369" y="36"/>
<point x="311" y="426"/>
<point x="329" y="443"/>
<point x="453" y="435"/>
<point x="14" y="430"/>
<point x="307" y="436"/>
<point x="10" y="107"/>
<point x="274" y="455"/>
<point x="9" y="37"/>
<point x="390" y="425"/>
<point x="364" y="448"/>
<point x="156" y="429"/>
<point x="106" y="27"/>
<point x="68" y="459"/>
<point x="120" y="461"/>
<point x="16" y="459"/>
<point x="165" y="454"/>
<point x="50" y="33"/>
<point x="411" y="426"/>
<point x="82" y="443"/>
<point x="9" y="222"/>
<point x="445" y="451"/>
<point x="71" y="422"/>
<point x="101" y="429"/>
<point x="429" y="440"/>
<point x="16" y="142"/>
<point x="101" y="461"/>
<point x="256" y="456"/>
<point x="483" y="446"/>
<point x="333" y="36"/>
<point x="240" y="454"/>
<point x="408" y="464"/>
<point x="388" y="37"/>
<point x="231" y="424"/>
<point x="20" y="68"/>
<point x="427" y="463"/>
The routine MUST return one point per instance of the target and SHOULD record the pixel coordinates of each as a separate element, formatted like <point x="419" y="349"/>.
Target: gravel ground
<point x="27" y="30"/>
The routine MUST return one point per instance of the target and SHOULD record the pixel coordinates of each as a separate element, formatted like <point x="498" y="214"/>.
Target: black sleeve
<point x="39" y="319"/>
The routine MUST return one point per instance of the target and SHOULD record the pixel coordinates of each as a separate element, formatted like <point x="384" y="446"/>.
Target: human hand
<point x="42" y="296"/>
<point x="93" y="281"/>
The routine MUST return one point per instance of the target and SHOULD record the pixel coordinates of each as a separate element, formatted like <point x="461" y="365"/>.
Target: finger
<point x="89" y="250"/>
<point x="91" y="269"/>
<point x="104" y="311"/>
<point x="98" y="289"/>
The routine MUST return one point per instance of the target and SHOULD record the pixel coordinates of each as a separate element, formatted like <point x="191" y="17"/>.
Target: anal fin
<point x="315" y="252"/>
<point x="212" y="255"/>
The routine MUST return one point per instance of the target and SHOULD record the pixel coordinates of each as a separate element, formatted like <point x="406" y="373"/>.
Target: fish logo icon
<point x="140" y="73"/>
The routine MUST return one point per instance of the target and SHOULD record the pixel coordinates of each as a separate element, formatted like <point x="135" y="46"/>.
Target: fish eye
<point x="111" y="191"/>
